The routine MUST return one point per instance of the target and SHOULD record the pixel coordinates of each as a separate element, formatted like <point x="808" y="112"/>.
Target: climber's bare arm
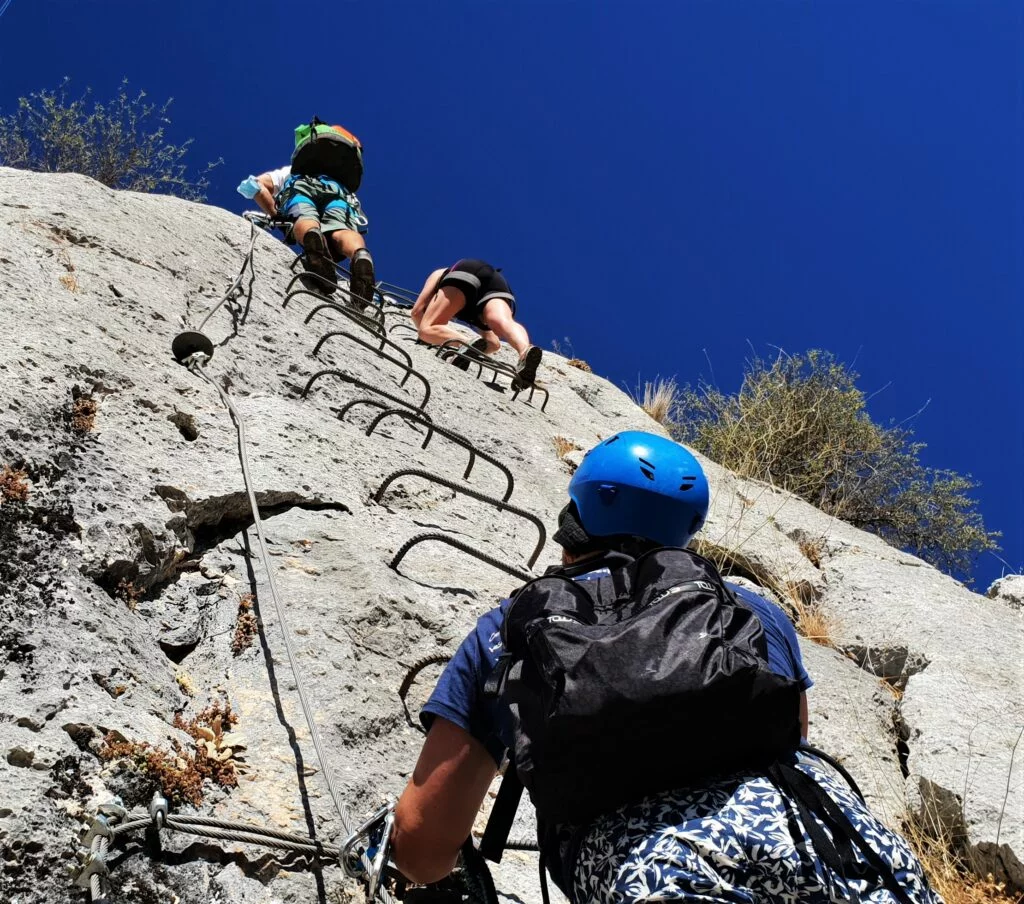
<point x="426" y="293"/>
<point x="436" y="811"/>
<point x="804" y="717"/>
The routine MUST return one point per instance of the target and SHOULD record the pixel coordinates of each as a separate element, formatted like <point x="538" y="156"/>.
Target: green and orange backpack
<point x="326" y="150"/>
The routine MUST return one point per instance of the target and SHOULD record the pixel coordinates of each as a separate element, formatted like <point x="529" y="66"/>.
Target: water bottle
<point x="249" y="188"/>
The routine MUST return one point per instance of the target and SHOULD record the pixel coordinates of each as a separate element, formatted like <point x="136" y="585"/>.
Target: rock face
<point x="131" y="589"/>
<point x="1009" y="590"/>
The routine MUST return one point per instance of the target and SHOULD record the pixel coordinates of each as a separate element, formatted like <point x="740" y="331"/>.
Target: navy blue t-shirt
<point x="459" y="694"/>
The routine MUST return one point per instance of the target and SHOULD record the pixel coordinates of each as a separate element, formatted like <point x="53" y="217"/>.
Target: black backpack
<point x="652" y="678"/>
<point x="325" y="150"/>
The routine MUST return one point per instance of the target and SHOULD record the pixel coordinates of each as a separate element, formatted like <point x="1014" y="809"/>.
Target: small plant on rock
<point x="566" y="350"/>
<point x="83" y="414"/>
<point x="13" y="485"/>
<point x="129" y="592"/>
<point x="246" y="625"/>
<point x="179" y="772"/>
<point x="564" y="446"/>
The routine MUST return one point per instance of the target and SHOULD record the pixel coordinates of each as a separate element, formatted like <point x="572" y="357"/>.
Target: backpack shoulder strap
<point x="503" y="814"/>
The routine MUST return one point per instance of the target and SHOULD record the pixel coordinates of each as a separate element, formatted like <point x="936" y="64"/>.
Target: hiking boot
<point x="363" y="281"/>
<point x="317" y="259"/>
<point x="526" y="369"/>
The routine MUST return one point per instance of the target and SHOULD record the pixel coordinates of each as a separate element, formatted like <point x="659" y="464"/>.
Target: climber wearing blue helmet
<point x="744" y="836"/>
<point x="640" y="485"/>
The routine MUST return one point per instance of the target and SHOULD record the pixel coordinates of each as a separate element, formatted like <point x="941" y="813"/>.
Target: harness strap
<point x="503" y="814"/>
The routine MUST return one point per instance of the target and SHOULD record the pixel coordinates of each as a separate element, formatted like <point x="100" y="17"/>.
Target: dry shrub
<point x="245" y="625"/>
<point x="179" y="772"/>
<point x="13" y="485"/>
<point x="800" y="423"/>
<point x="660" y="399"/>
<point x="83" y="414"/>
<point x="580" y="364"/>
<point x="70" y="282"/>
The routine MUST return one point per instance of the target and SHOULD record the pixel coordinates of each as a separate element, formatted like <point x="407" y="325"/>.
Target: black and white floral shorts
<point x="738" y="841"/>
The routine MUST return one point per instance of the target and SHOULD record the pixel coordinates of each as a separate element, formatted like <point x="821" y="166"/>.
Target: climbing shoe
<point x="363" y="280"/>
<point x="317" y="260"/>
<point x="476" y="349"/>
<point x="526" y="369"/>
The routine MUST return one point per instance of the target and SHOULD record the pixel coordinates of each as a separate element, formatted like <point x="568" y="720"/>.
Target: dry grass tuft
<point x="245" y="625"/>
<point x="564" y="446"/>
<point x="70" y="282"/>
<point x="13" y="485"/>
<point x="811" y="621"/>
<point x="949" y="875"/>
<point x="813" y="550"/>
<point x="565" y="349"/>
<point x="179" y="772"/>
<point x="83" y="414"/>
<point x="660" y="399"/>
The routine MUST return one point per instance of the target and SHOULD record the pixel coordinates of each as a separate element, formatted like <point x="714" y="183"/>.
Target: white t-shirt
<point x="279" y="177"/>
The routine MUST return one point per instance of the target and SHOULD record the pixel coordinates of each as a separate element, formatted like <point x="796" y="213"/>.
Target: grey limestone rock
<point x="1008" y="589"/>
<point x="125" y="574"/>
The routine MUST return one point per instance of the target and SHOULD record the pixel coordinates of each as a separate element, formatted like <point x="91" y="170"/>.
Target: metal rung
<point x="410" y="371"/>
<point x="501" y="504"/>
<point x="381" y="340"/>
<point x="366" y="323"/>
<point x="348" y="378"/>
<point x="348" y="406"/>
<point x="464" y="547"/>
<point x="345" y="293"/>
<point x="460" y="440"/>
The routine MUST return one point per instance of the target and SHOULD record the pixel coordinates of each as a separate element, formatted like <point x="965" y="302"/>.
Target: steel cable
<point x="246" y="262"/>
<point x="314" y="733"/>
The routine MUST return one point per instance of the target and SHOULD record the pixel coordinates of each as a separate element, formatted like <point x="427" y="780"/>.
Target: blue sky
<point x="668" y="184"/>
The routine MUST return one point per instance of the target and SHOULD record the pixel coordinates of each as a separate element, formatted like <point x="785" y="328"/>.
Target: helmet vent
<point x="687" y="483"/>
<point x="647" y="471"/>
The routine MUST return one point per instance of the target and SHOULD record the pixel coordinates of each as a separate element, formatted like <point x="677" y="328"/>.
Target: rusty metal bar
<point x="456" y="438"/>
<point x="410" y="371"/>
<point x="464" y="547"/>
<point x="348" y="406"/>
<point x="500" y="504"/>
<point x="348" y="378"/>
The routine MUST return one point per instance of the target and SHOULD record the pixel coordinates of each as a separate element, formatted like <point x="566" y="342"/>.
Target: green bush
<point x="120" y="143"/>
<point x="800" y="423"/>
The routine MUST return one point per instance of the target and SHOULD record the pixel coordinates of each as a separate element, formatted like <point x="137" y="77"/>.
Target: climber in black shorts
<point x="478" y="294"/>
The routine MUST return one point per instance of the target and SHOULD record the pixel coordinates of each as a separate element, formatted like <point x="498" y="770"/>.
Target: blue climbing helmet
<point x="642" y="485"/>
